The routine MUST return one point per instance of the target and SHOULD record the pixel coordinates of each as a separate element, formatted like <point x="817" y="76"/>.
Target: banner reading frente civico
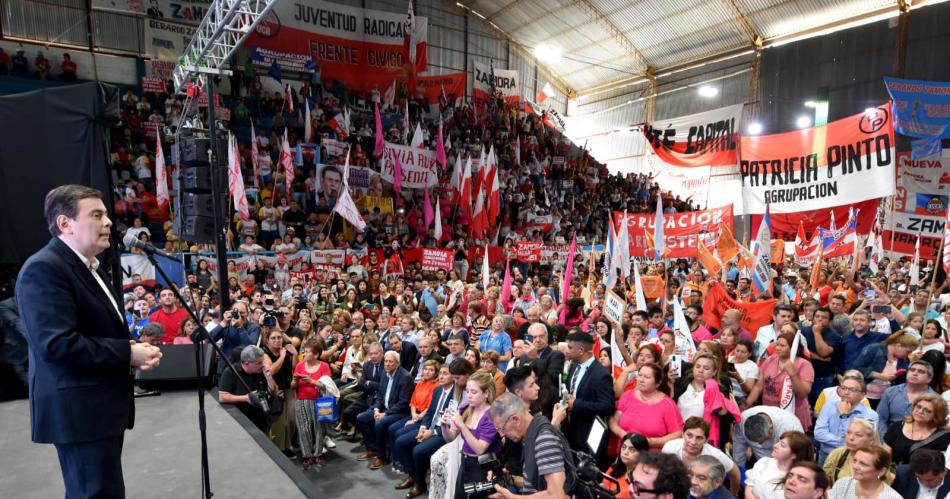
<point x="506" y="81"/>
<point x="680" y="229"/>
<point x="364" y="47"/>
<point x="844" y="162"/>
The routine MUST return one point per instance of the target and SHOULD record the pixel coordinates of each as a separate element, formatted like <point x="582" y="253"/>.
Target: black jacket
<point x="399" y="395"/>
<point x="906" y="484"/>
<point x="594" y="397"/>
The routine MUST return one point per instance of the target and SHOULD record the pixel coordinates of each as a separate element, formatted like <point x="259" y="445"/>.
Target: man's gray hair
<point x="153" y="329"/>
<point x="506" y="405"/>
<point x="924" y="364"/>
<point x="717" y="472"/>
<point x="251" y="353"/>
<point x="538" y="327"/>
<point x="392" y="355"/>
<point x="842" y="323"/>
<point x="859" y="379"/>
<point x="863" y="312"/>
<point x="374" y="346"/>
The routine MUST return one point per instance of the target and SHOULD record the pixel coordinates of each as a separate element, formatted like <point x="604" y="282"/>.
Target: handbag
<point x="326" y="409"/>
<point x="275" y="403"/>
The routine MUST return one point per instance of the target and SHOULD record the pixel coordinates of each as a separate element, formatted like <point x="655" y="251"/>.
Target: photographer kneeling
<point x="545" y="449"/>
<point x="258" y="377"/>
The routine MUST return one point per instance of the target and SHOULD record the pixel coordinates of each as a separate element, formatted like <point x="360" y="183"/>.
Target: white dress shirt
<point x="92" y="265"/>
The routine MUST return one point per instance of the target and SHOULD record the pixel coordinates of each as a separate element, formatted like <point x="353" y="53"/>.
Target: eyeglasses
<point x="849" y="389"/>
<point x="503" y="425"/>
<point x="637" y="488"/>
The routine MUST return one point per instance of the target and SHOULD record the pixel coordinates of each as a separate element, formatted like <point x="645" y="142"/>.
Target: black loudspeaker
<point x="196" y="177"/>
<point x="197" y="228"/>
<point x="178" y="363"/>
<point x="202" y="205"/>
<point x="196" y="150"/>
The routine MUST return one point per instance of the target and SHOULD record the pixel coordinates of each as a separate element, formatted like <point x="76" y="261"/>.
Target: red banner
<point x="156" y="85"/>
<point x="903" y="244"/>
<point x="529" y="252"/>
<point x="432" y="86"/>
<point x="785" y="225"/>
<point x="362" y="47"/>
<point x="681" y="229"/>
<point x="710" y="138"/>
<point x="435" y="259"/>
<point x="754" y="315"/>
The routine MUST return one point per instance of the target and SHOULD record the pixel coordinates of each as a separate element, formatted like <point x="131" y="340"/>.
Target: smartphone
<point x="676" y="366"/>
<point x="900" y="372"/>
<point x="881" y="309"/>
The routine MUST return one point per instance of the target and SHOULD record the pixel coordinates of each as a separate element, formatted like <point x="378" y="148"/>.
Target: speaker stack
<point x="195" y="179"/>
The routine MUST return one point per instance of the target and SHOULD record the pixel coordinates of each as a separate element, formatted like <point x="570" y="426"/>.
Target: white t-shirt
<point x="763" y="478"/>
<point x="690" y="403"/>
<point x="675" y="447"/>
<point x="748" y="370"/>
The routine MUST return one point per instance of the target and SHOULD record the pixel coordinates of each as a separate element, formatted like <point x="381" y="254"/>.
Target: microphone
<point x="130" y="241"/>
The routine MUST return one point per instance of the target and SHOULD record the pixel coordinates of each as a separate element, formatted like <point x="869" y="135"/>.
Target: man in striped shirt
<point x="545" y="449"/>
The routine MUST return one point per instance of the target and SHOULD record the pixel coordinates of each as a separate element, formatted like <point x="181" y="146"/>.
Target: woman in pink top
<point x="306" y="381"/>
<point x="774" y="370"/>
<point x="664" y="423"/>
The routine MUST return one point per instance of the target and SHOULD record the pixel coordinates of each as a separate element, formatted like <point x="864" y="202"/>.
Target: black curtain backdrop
<point x="48" y="138"/>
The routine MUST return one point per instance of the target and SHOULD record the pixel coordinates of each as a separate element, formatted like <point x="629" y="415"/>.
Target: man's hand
<point x="423" y="435"/>
<point x="145" y="356"/>
<point x="530" y="350"/>
<point x="559" y="414"/>
<point x="501" y="493"/>
<point x="570" y="402"/>
<point x="845" y="407"/>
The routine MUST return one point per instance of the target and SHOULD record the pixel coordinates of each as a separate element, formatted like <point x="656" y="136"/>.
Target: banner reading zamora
<point x="843" y="162"/>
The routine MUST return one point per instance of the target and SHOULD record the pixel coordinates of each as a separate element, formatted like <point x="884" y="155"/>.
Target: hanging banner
<point x="432" y="86"/>
<point x="785" y="225"/>
<point x="717" y="302"/>
<point x="419" y="166"/>
<point x="923" y="175"/>
<point x="137" y="264"/>
<point x="706" y="186"/>
<point x="160" y="70"/>
<point x="335" y="148"/>
<point x="680" y="229"/>
<point x="921" y="108"/>
<point x="182" y="11"/>
<point x="843" y="162"/>
<point x="166" y="40"/>
<point x="154" y="85"/>
<point x="709" y="138"/>
<point x="435" y="259"/>
<point x="363" y="47"/>
<point x="505" y="81"/>
<point x="327" y="264"/>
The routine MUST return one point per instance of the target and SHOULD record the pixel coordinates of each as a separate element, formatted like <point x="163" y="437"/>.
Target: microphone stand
<point x="197" y="336"/>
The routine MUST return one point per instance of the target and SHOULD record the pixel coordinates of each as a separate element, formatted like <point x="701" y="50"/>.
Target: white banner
<point x="705" y="186"/>
<point x="182" y="11"/>
<point x="124" y="6"/>
<point x="925" y="225"/>
<point x="506" y="82"/>
<point x="419" y="167"/>
<point x="166" y="40"/>
<point x="137" y="264"/>
<point x="924" y="175"/>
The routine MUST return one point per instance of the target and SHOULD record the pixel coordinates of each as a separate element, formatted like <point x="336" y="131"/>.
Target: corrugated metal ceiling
<point x="666" y="32"/>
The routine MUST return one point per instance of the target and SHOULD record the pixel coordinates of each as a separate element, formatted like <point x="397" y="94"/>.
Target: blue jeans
<point x="374" y="432"/>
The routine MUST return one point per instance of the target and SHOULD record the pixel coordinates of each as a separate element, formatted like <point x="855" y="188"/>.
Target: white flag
<point x="641" y="298"/>
<point x="417" y="140"/>
<point x="485" y="270"/>
<point x="236" y="179"/>
<point x="308" y="125"/>
<point x="344" y="204"/>
<point x="161" y="179"/>
<point x="438" y="220"/>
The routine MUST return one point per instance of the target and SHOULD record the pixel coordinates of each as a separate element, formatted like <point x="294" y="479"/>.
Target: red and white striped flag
<point x="544" y="93"/>
<point x="161" y="176"/>
<point x="288" y="100"/>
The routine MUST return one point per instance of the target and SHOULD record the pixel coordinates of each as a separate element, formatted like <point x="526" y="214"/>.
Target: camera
<point x="486" y="462"/>
<point x="588" y="484"/>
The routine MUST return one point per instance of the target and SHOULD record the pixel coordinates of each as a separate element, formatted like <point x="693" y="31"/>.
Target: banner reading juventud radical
<point x="506" y="82"/>
<point x="361" y="46"/>
<point x="843" y="162"/>
<point x="681" y="229"/>
<point x="419" y="166"/>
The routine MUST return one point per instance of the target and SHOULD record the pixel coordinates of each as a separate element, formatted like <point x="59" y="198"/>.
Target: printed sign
<point x="680" y="229"/>
<point x="166" y="40"/>
<point x="419" y="166"/>
<point x="505" y="81"/>
<point x="614" y="307"/>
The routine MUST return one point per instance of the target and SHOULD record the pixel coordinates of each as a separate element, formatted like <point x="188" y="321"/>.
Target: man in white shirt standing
<point x="693" y="444"/>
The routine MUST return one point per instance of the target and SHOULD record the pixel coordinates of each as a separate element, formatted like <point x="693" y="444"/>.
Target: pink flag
<point x="427" y="215"/>
<point x="255" y="160"/>
<point x="236" y="180"/>
<point x="380" y="143"/>
<point x="161" y="180"/>
<point x="397" y="174"/>
<point x="569" y="270"/>
<point x="308" y="125"/>
<point x="440" y="147"/>
<point x="506" y="288"/>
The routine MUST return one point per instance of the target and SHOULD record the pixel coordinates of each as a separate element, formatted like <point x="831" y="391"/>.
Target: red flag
<point x="161" y="177"/>
<point x="544" y="93"/>
<point x="288" y="101"/>
<point x="287" y="162"/>
<point x="569" y="270"/>
<point x="494" y="193"/>
<point x="478" y="224"/>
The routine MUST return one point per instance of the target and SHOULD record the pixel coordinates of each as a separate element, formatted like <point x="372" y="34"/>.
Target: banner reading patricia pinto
<point x="843" y="162"/>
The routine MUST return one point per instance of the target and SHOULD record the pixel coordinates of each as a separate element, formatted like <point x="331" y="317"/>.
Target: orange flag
<point x="727" y="246"/>
<point x="816" y="270"/>
<point x="777" y="251"/>
<point x="754" y="315"/>
<point x="708" y="260"/>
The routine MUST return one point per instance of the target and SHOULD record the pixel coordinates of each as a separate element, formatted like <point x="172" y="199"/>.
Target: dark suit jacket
<point x="593" y="397"/>
<point x="416" y="367"/>
<point x="399" y="395"/>
<point x="369" y="383"/>
<point x="408" y="356"/>
<point x="906" y="484"/>
<point x="429" y="419"/>
<point x="554" y="362"/>
<point x="80" y="376"/>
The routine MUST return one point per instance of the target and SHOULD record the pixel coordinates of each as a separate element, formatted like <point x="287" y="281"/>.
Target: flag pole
<point x="933" y="274"/>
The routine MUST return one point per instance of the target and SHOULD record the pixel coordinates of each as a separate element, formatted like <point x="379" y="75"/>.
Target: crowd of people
<point x="843" y="394"/>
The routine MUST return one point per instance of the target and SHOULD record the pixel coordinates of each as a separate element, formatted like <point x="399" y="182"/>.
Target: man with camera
<point x="258" y="377"/>
<point x="231" y="330"/>
<point x="546" y="452"/>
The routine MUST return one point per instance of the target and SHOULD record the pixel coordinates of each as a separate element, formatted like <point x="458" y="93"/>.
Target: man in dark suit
<point x="413" y="450"/>
<point x="590" y="391"/>
<point x="81" y="356"/>
<point x="537" y="344"/>
<point x="426" y="353"/>
<point x="368" y="384"/>
<point x="408" y="353"/>
<point x="390" y="407"/>
<point x="924" y="477"/>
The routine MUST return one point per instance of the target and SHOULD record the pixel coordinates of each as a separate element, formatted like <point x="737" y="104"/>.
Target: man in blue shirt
<point x="860" y="337"/>
<point x="824" y="344"/>
<point x="431" y="296"/>
<point x="834" y="419"/>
